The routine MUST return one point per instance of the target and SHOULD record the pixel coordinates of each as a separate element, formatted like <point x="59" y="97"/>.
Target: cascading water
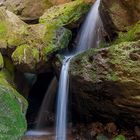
<point x="62" y="101"/>
<point x="46" y="107"/>
<point x="43" y="118"/>
<point x="88" y="37"/>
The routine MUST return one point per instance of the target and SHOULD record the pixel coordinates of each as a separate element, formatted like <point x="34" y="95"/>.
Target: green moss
<point x="12" y="110"/>
<point x="122" y="61"/>
<point x="117" y="63"/>
<point x="132" y="35"/>
<point x="120" y="137"/>
<point x="14" y="41"/>
<point x="9" y="66"/>
<point x="3" y="30"/>
<point x="22" y="53"/>
<point x="26" y="55"/>
<point x="18" y="37"/>
<point x="66" y="13"/>
<point x="112" y="76"/>
<point x="81" y="63"/>
<point x="58" y="16"/>
<point x="102" y="44"/>
<point x="3" y="34"/>
<point x="1" y="61"/>
<point x="57" y="41"/>
<point x="23" y="30"/>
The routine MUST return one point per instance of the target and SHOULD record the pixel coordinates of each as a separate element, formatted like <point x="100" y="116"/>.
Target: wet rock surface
<point x="105" y="82"/>
<point x="102" y="131"/>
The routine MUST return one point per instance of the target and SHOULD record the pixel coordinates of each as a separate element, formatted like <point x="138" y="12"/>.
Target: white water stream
<point x="87" y="38"/>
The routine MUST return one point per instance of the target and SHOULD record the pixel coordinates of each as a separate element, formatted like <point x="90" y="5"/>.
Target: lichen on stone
<point x="118" y="63"/>
<point x="12" y="110"/>
<point x="65" y="14"/>
<point x="26" y="55"/>
<point x="133" y="34"/>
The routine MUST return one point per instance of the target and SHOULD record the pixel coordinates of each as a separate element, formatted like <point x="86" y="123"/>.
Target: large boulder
<point x="65" y="14"/>
<point x="12" y="109"/>
<point x="36" y="56"/>
<point x="31" y="47"/>
<point x="27" y="9"/>
<point x="118" y="15"/>
<point x="106" y="82"/>
<point x="12" y="30"/>
<point x="31" y="10"/>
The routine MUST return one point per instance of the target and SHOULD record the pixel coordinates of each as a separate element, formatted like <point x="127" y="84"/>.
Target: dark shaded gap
<point x="36" y="96"/>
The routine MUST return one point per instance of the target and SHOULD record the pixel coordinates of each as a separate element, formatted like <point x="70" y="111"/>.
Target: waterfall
<point x="62" y="101"/>
<point x="46" y="107"/>
<point x="88" y="37"/>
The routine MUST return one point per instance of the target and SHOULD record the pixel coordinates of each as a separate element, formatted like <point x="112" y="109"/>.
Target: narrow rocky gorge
<point x="104" y="82"/>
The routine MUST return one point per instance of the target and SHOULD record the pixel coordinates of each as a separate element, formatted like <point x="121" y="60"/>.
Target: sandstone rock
<point x="12" y="110"/>
<point x="27" y="9"/>
<point x="106" y="83"/>
<point x="65" y="14"/>
<point x="31" y="47"/>
<point x="118" y="15"/>
<point x="12" y="30"/>
<point x="34" y="44"/>
<point x="36" y="56"/>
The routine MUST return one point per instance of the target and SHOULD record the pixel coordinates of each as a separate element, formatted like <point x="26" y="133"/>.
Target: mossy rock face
<point x="12" y="30"/>
<point x="1" y="61"/>
<point x="26" y="55"/>
<point x="27" y="9"/>
<point x="12" y="110"/>
<point x="118" y="15"/>
<point x="32" y="47"/>
<point x="132" y="35"/>
<point x="106" y="82"/>
<point x="36" y="56"/>
<point x="65" y="14"/>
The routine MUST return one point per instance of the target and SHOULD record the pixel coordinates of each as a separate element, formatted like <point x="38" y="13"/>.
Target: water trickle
<point x="46" y="107"/>
<point x="62" y="101"/>
<point x="88" y="37"/>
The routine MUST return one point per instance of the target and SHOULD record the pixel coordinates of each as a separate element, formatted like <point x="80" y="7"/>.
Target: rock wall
<point x="105" y="82"/>
<point x="118" y="15"/>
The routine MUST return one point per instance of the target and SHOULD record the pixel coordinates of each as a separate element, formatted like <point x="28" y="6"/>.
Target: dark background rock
<point x="105" y="84"/>
<point x="118" y="15"/>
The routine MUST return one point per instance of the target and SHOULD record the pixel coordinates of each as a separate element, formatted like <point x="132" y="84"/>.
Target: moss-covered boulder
<point x="30" y="47"/>
<point x="27" y="56"/>
<point x="28" y="10"/>
<point x="65" y="14"/>
<point x="34" y="45"/>
<point x="36" y="55"/>
<point x="12" y="30"/>
<point x="12" y="109"/>
<point x="118" y="15"/>
<point x="106" y="83"/>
